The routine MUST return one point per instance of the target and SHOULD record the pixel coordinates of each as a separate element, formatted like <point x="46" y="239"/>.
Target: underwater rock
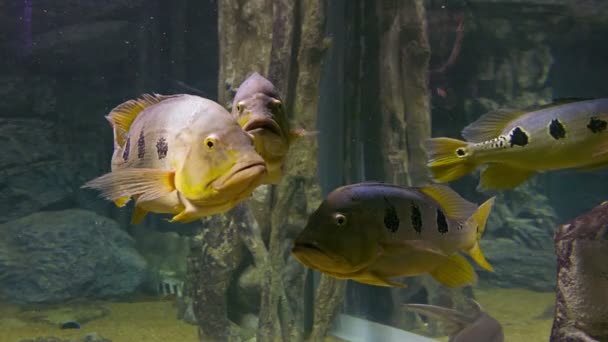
<point x="59" y="255"/>
<point x="33" y="173"/>
<point x="64" y="316"/>
<point x="516" y="265"/>
<point x="582" y="278"/>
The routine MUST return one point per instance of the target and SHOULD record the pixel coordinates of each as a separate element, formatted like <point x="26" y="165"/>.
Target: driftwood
<point x="287" y="47"/>
<point x="581" y="308"/>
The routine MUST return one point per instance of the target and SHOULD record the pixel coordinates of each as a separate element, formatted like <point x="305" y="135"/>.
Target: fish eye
<point x="461" y="152"/>
<point x="239" y="107"/>
<point x="210" y="143"/>
<point x="340" y="219"/>
<point x="275" y="103"/>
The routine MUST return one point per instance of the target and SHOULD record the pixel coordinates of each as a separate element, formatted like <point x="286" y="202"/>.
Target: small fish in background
<point x="179" y="154"/>
<point x="259" y="110"/>
<point x="516" y="144"/>
<point x="371" y="232"/>
<point x="478" y="327"/>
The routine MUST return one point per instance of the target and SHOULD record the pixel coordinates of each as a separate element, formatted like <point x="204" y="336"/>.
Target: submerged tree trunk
<point x="581" y="308"/>
<point x="287" y="47"/>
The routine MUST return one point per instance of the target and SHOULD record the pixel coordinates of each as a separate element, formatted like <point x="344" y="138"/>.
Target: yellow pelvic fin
<point x="445" y="162"/>
<point x="121" y="202"/>
<point x="455" y="272"/>
<point x="480" y="218"/>
<point x="371" y="278"/>
<point x="502" y="177"/>
<point x="147" y="183"/>
<point x="123" y="115"/>
<point x="490" y="125"/>
<point x="450" y="201"/>
<point x="138" y="215"/>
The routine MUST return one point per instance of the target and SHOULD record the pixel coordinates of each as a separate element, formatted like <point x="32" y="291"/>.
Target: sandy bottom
<point x="519" y="311"/>
<point x="150" y="321"/>
<point x="522" y="313"/>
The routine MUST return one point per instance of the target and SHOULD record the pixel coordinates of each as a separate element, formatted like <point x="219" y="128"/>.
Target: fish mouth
<point x="242" y="179"/>
<point x="262" y="124"/>
<point x="301" y="246"/>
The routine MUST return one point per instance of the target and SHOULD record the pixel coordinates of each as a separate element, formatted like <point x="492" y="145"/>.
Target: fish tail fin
<point x="480" y="217"/>
<point x="449" y="159"/>
<point x="455" y="272"/>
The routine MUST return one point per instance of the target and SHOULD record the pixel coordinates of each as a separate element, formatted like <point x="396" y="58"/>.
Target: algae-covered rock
<point x="55" y="256"/>
<point x="33" y="171"/>
<point x="581" y="247"/>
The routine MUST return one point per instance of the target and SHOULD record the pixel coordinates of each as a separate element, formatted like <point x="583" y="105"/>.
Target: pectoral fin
<point x="147" y="184"/>
<point x="455" y="272"/>
<point x="501" y="177"/>
<point x="399" y="247"/>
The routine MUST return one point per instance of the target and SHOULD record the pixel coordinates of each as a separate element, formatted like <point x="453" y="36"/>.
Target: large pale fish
<point x="179" y="154"/>
<point x="372" y="232"/>
<point x="261" y="112"/>
<point x="475" y="327"/>
<point x="516" y="144"/>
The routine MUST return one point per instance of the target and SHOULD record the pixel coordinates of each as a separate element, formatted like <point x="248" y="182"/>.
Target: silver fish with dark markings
<point x="513" y="145"/>
<point x="478" y="327"/>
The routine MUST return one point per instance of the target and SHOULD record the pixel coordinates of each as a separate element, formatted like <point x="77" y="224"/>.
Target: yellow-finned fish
<point x="371" y="232"/>
<point x="516" y="144"/>
<point x="179" y="154"/>
<point x="260" y="111"/>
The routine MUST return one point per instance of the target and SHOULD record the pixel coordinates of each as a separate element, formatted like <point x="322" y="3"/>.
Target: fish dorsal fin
<point x="490" y="124"/>
<point x="453" y="320"/>
<point x="123" y="115"/>
<point x="450" y="201"/>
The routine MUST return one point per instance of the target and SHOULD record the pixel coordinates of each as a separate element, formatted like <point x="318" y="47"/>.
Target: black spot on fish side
<point x="125" y="153"/>
<point x="391" y="220"/>
<point x="596" y="125"/>
<point x="442" y="223"/>
<point x="557" y="129"/>
<point x="141" y="146"/>
<point x="416" y="218"/>
<point x="518" y="137"/>
<point x="162" y="148"/>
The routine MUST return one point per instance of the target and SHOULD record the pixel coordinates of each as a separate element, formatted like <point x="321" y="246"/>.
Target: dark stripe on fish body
<point x="442" y="223"/>
<point x="518" y="137"/>
<point x="162" y="148"/>
<point x="416" y="217"/>
<point x="596" y="125"/>
<point x="125" y="153"/>
<point x="141" y="146"/>
<point x="557" y="129"/>
<point x="391" y="220"/>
